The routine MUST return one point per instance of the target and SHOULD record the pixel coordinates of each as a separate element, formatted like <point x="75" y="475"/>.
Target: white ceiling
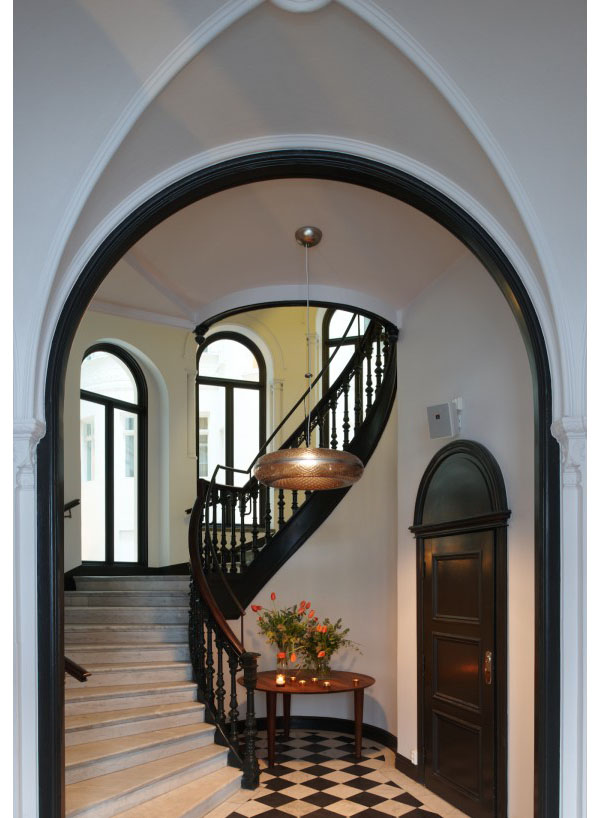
<point x="243" y="238"/>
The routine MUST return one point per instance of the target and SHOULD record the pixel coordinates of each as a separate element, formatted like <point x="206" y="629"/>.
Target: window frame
<point x="140" y="408"/>
<point x="230" y="384"/>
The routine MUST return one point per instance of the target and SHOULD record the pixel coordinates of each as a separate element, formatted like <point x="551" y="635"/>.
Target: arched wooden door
<point x="461" y="519"/>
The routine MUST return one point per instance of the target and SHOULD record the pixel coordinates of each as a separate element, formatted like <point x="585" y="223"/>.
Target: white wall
<point x="347" y="569"/>
<point x="459" y="339"/>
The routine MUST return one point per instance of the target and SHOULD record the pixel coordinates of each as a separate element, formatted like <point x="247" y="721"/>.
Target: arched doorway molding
<point x="388" y="27"/>
<point x="562" y="395"/>
<point x="433" y="202"/>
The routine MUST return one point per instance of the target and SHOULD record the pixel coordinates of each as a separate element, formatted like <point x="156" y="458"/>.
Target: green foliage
<point x="296" y="629"/>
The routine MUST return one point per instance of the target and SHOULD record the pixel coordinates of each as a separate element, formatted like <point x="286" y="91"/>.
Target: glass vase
<point x="282" y="660"/>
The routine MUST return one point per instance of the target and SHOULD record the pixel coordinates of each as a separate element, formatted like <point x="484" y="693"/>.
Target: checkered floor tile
<point x="317" y="775"/>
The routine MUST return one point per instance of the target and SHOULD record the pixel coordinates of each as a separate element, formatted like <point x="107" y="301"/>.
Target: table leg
<point x="359" y="697"/>
<point x="287" y="704"/>
<point x="271" y="711"/>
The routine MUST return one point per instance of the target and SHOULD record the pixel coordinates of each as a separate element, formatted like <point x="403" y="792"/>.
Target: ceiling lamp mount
<point x="308" y="236"/>
<point x="308" y="468"/>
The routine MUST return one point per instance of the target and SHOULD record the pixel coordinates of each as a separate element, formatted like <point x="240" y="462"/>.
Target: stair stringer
<point x="310" y="516"/>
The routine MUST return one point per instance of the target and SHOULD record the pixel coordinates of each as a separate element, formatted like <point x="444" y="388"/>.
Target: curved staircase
<point x="157" y="728"/>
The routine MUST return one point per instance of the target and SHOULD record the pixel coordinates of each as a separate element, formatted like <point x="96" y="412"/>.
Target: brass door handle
<point x="487" y="667"/>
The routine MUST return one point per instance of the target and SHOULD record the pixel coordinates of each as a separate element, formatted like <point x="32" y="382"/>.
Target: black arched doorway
<point x="460" y="523"/>
<point x="400" y="185"/>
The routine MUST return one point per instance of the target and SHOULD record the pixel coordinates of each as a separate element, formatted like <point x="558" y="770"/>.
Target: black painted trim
<point x="495" y="520"/>
<point x="400" y="185"/>
<point x="407" y="767"/>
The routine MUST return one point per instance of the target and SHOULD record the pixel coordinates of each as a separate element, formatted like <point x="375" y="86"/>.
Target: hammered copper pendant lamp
<point x="308" y="468"/>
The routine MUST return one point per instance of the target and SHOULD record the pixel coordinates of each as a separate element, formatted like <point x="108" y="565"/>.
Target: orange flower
<point x="256" y="608"/>
<point x="311" y="614"/>
<point x="320" y="654"/>
<point x="273" y="597"/>
<point x="323" y="628"/>
<point x="281" y="655"/>
<point x="293" y="657"/>
<point x="302" y="605"/>
<point x="307" y="605"/>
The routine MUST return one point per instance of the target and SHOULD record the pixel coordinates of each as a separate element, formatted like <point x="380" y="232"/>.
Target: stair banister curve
<point x="210" y="634"/>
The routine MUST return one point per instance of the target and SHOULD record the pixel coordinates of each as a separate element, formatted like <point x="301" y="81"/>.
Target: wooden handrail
<point x="76" y="671"/>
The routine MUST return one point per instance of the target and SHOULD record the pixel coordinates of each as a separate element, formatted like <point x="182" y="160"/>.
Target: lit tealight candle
<point x="355" y="682"/>
<point x="326" y="684"/>
<point x="302" y="682"/>
<point x="292" y="678"/>
<point x="314" y="679"/>
<point x="280" y="680"/>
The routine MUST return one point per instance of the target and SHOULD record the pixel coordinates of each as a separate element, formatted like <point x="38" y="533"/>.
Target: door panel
<point x="458" y="629"/>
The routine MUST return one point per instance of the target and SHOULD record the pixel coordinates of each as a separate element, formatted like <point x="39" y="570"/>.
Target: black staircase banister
<point x="307" y="392"/>
<point x="76" y="671"/>
<point x="372" y="329"/>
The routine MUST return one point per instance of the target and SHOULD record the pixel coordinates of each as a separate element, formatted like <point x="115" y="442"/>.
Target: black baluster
<point x="378" y="367"/>
<point x="233" y="702"/>
<point x="210" y="665"/>
<point x="294" y="501"/>
<point x="346" y="421"/>
<point x="201" y="645"/>
<point x="232" y="506"/>
<point x="242" y="532"/>
<point x="281" y="506"/>
<point x="215" y="532"/>
<point x="219" y="644"/>
<point x="254" y="521"/>
<point x="334" y="437"/>
<point x="357" y="398"/>
<point x="369" y="388"/>
<point x="224" y="498"/>
<point x="386" y="348"/>
<point x="193" y="626"/>
<point x="250" y="762"/>
<point x="321" y="424"/>
<point x="267" y="516"/>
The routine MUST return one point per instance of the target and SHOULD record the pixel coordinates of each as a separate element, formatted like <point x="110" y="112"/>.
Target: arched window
<point x="113" y="443"/>
<point x="231" y="405"/>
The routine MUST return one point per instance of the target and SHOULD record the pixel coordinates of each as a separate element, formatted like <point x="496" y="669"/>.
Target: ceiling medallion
<point x="307" y="468"/>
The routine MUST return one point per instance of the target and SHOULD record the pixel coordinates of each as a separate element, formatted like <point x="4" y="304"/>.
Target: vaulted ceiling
<point x="244" y="238"/>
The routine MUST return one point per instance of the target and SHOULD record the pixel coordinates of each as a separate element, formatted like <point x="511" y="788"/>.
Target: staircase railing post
<point x="250" y="762"/>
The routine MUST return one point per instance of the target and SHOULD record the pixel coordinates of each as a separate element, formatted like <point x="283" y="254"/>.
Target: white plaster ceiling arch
<point x="223" y="18"/>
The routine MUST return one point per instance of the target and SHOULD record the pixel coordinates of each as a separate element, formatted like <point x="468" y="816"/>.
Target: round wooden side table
<point x="302" y="683"/>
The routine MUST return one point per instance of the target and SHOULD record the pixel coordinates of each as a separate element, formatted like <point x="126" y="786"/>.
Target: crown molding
<point x="122" y="311"/>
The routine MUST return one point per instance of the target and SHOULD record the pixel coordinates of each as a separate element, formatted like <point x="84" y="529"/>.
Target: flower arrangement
<point x="297" y="631"/>
<point x="284" y="628"/>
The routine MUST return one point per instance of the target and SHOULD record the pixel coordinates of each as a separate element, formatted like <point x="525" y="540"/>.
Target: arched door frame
<point x="400" y="185"/>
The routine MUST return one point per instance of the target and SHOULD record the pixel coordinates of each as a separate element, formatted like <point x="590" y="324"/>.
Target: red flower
<point x="256" y="608"/>
<point x="311" y="614"/>
<point x="307" y="605"/>
<point x="293" y="657"/>
<point x="302" y="605"/>
<point x="273" y="597"/>
<point x="320" y="654"/>
<point x="281" y="655"/>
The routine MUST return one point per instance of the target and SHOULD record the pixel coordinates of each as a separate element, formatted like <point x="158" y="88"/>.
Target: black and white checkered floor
<point x="317" y="775"/>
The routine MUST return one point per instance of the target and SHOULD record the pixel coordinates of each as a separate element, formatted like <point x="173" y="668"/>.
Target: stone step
<point x="103" y="654"/>
<point x="87" y="727"/>
<point x="126" y="615"/>
<point x="98" y="758"/>
<point x="89" y="699"/>
<point x="107" y="795"/>
<point x="126" y="673"/>
<point x="124" y="598"/>
<point x="160" y="582"/>
<point x="192" y="800"/>
<point x="132" y="633"/>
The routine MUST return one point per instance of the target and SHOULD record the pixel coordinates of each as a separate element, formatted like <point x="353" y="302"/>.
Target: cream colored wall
<point x="459" y="339"/>
<point x="167" y="356"/>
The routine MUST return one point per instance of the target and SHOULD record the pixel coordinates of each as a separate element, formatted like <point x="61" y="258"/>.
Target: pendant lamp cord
<point x="309" y="370"/>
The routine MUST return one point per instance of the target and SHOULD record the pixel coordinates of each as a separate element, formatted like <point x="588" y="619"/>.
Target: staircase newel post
<point x="250" y="762"/>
